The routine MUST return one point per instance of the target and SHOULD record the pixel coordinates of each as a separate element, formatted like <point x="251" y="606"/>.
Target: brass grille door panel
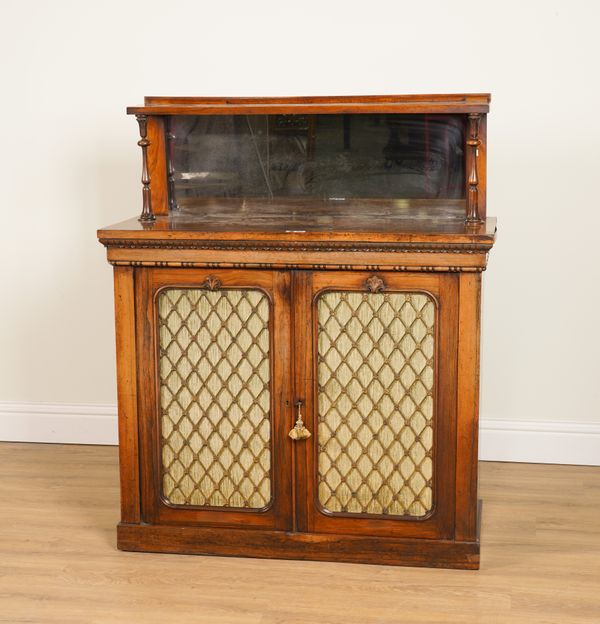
<point x="215" y="399"/>
<point x="382" y="460"/>
<point x="375" y="378"/>
<point x="216" y="442"/>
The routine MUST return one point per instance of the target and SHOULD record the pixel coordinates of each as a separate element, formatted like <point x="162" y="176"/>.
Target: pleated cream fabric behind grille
<point x="215" y="397"/>
<point x="375" y="402"/>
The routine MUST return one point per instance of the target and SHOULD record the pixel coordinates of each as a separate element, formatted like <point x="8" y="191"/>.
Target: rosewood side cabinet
<point x="297" y="320"/>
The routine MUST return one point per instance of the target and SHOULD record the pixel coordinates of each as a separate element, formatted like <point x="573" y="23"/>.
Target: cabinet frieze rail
<point x="402" y="247"/>
<point x="290" y="266"/>
<point x="460" y="251"/>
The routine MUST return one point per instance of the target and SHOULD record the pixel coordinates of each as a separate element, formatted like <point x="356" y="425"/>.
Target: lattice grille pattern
<point x="215" y="397"/>
<point x="375" y="402"/>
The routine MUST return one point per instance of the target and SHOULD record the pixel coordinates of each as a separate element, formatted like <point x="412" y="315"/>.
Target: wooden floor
<point x="58" y="561"/>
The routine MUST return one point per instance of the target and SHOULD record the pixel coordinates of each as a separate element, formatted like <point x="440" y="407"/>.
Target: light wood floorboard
<point x="59" y="564"/>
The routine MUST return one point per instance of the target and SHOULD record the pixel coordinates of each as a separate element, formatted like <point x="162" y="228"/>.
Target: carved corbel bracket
<point x="147" y="214"/>
<point x="473" y="143"/>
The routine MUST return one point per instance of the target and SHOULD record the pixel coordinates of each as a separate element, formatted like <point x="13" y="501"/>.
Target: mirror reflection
<point x="379" y="156"/>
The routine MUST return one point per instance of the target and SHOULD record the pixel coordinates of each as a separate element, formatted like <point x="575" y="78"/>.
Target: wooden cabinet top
<point x="306" y="220"/>
<point x="407" y="104"/>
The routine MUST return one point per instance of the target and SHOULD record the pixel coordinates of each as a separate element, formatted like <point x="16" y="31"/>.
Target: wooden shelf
<point x="303" y="219"/>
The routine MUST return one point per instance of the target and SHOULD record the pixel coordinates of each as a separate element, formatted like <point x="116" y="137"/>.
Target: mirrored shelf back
<point x="331" y="150"/>
<point x="328" y="157"/>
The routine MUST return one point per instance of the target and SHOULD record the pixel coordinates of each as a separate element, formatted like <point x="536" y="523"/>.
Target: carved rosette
<point x="375" y="284"/>
<point x="212" y="283"/>
<point x="147" y="214"/>
<point x="473" y="143"/>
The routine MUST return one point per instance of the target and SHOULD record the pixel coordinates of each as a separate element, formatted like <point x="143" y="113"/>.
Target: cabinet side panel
<point x="157" y="165"/>
<point x="482" y="168"/>
<point x="127" y="393"/>
<point x="468" y="406"/>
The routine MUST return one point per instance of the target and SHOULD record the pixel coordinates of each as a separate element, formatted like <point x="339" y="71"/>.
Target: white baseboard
<point x="539" y="442"/>
<point x="500" y="440"/>
<point x="58" y="423"/>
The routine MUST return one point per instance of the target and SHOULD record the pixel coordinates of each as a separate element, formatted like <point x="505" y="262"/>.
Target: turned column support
<point x="473" y="143"/>
<point x="147" y="214"/>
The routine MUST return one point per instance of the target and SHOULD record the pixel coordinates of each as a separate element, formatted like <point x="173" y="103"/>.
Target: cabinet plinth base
<point x="307" y="546"/>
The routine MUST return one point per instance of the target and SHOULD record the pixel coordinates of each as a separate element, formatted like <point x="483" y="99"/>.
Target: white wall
<point x="69" y="163"/>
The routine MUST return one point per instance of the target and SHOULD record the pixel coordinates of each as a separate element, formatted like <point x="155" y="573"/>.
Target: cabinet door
<point x="213" y="360"/>
<point x="380" y="403"/>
